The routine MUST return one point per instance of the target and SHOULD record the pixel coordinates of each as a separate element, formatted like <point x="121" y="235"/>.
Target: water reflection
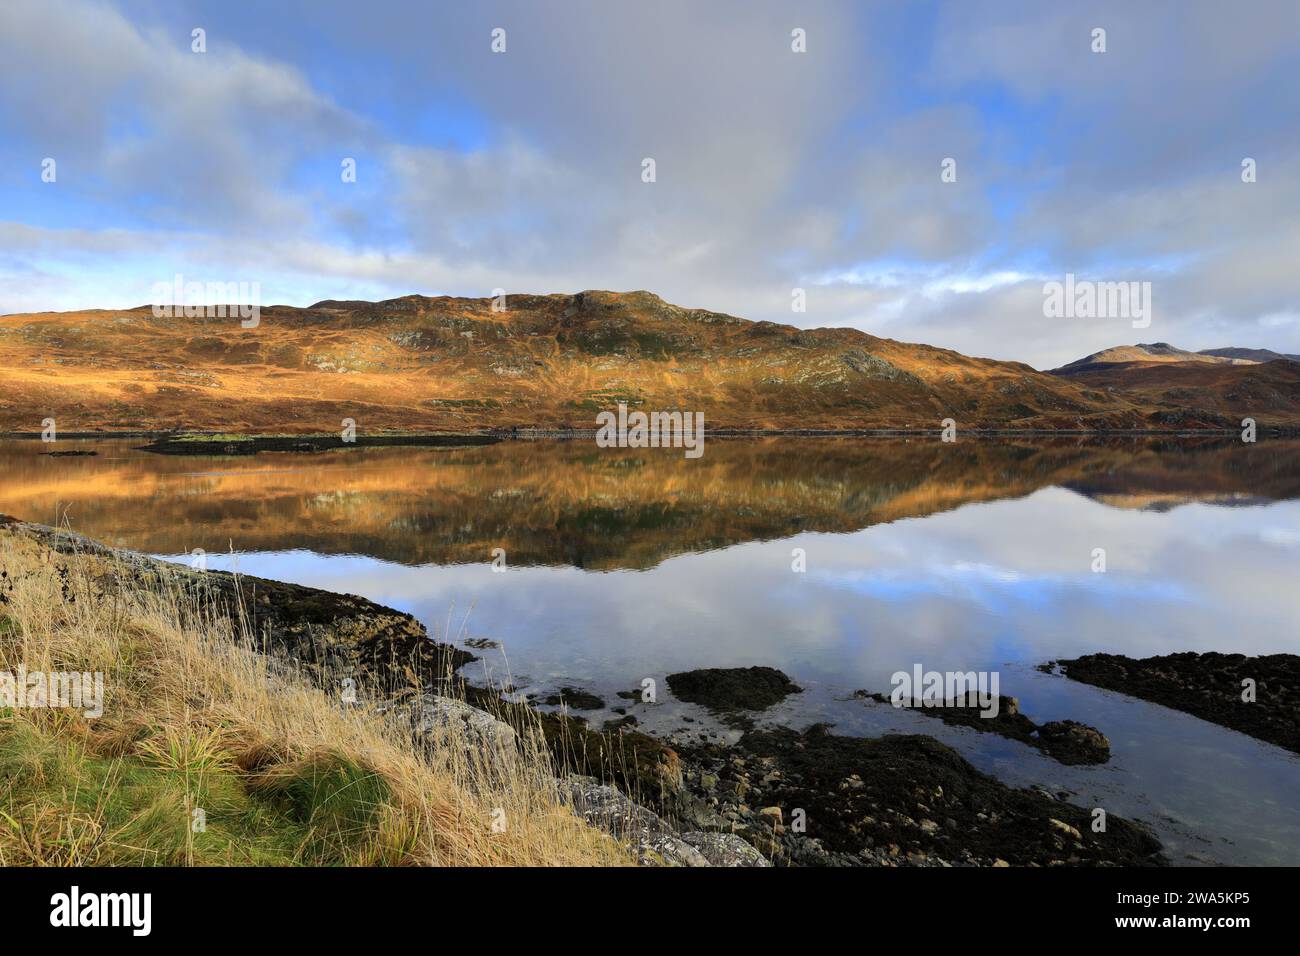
<point x="633" y="564"/>
<point x="566" y="503"/>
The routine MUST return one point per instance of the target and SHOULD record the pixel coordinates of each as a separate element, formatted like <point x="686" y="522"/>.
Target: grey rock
<point x="441" y="722"/>
<point x="725" y="849"/>
<point x="606" y="809"/>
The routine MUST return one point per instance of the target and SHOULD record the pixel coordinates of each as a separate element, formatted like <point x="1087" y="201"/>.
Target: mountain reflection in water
<point x="569" y="503"/>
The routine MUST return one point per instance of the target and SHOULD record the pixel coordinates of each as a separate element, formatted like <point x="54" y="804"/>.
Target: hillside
<point x="1180" y="385"/>
<point x="549" y="361"/>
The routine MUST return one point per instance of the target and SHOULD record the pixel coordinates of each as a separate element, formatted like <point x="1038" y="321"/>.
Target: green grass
<point x="334" y="798"/>
<point x="141" y="811"/>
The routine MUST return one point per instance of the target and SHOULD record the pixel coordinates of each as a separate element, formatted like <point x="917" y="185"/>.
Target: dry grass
<point x="195" y="720"/>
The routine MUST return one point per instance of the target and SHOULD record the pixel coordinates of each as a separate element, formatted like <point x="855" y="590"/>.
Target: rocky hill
<point x="548" y="361"/>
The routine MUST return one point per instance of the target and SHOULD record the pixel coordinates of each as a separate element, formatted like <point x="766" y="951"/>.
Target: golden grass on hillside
<point x="208" y="753"/>
<point x="548" y="361"/>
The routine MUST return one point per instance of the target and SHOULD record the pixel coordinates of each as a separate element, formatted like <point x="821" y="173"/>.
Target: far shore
<point x="477" y="436"/>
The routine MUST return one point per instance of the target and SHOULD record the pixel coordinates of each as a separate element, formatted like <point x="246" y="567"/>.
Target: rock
<point x="920" y="803"/>
<point x="1066" y="741"/>
<point x="666" y="849"/>
<point x="771" y="816"/>
<point x="1071" y="742"/>
<point x="735" y="788"/>
<point x="732" y="688"/>
<point x="605" y="808"/>
<point x="1207" y="686"/>
<point x="574" y="698"/>
<point x="638" y="763"/>
<point x="1065" y="828"/>
<point x="725" y="849"/>
<point x="439" y="721"/>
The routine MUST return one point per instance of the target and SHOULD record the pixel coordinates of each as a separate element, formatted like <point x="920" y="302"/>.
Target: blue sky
<point x="775" y="169"/>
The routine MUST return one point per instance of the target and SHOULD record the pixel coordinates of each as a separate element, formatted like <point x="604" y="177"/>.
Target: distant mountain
<point x="1152" y="352"/>
<point x="1199" y="386"/>
<point x="418" y="363"/>
<point x="1250" y="355"/>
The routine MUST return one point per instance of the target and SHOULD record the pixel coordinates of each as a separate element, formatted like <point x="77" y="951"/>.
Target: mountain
<point x="1250" y="355"/>
<point x="1153" y="352"/>
<point x="418" y="363"/>
<point x="1180" y="385"/>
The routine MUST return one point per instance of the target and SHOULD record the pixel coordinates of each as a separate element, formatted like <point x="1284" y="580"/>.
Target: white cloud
<point x="775" y="169"/>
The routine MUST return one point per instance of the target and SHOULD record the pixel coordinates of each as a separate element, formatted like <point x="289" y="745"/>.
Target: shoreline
<point x="894" y="800"/>
<point x="174" y="441"/>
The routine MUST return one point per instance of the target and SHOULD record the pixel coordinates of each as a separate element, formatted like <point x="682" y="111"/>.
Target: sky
<point x="775" y="170"/>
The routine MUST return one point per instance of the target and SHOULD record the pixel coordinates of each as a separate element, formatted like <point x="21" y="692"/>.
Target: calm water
<point x="630" y="564"/>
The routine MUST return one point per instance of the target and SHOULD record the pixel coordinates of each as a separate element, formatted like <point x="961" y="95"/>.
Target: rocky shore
<point x="1066" y="741"/>
<point x="777" y="796"/>
<point x="337" y="636"/>
<point x="813" y="798"/>
<point x="1258" y="696"/>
